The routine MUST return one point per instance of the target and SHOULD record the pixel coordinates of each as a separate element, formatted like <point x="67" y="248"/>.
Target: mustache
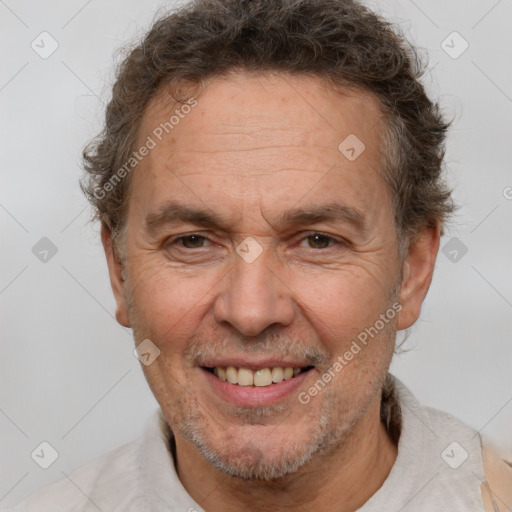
<point x="203" y="348"/>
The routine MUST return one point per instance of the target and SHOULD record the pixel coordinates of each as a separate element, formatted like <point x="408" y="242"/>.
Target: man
<point x="270" y="191"/>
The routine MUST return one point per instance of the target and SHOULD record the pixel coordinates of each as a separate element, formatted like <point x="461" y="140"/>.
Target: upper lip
<point x="252" y="363"/>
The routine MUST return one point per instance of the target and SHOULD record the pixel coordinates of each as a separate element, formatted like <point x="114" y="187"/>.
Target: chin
<point x="264" y="453"/>
<point x="251" y="462"/>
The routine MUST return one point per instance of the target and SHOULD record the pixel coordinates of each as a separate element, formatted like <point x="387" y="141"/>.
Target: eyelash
<point x="329" y="239"/>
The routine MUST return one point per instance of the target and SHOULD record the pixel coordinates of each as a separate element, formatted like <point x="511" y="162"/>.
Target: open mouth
<point x="259" y="378"/>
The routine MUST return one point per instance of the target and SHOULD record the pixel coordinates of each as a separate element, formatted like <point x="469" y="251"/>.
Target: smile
<point x="262" y="377"/>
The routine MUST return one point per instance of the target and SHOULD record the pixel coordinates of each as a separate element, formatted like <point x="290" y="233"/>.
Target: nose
<point x="254" y="297"/>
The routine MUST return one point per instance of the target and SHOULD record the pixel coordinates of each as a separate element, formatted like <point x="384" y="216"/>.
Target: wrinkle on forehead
<point x="227" y="108"/>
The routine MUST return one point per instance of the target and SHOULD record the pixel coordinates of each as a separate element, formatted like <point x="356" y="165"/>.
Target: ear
<point x="417" y="275"/>
<point x="116" y="281"/>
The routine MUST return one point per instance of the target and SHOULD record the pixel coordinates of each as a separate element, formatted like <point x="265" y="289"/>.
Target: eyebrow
<point x="332" y="212"/>
<point x="172" y="213"/>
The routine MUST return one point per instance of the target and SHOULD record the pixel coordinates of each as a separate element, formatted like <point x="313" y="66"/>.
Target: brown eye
<point x="319" y="241"/>
<point x="192" y="241"/>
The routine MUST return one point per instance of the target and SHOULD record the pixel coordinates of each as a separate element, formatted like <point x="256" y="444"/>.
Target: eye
<point x="320" y="241"/>
<point x="192" y="241"/>
<point x="192" y="248"/>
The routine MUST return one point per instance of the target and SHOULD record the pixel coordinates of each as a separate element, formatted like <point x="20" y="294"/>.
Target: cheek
<point x="343" y="303"/>
<point x="169" y="304"/>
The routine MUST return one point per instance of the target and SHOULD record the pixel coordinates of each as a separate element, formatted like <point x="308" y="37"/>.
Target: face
<point x="256" y="249"/>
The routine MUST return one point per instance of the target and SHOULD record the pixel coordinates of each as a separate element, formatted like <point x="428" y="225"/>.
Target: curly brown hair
<point x="339" y="41"/>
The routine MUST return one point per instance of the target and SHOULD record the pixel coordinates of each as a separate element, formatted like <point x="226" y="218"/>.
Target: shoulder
<point x="497" y="490"/>
<point x="110" y="478"/>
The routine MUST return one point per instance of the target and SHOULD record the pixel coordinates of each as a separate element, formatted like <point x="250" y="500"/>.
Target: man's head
<point x="284" y="213"/>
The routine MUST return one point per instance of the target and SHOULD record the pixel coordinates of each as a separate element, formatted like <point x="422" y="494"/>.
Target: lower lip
<point x="255" y="396"/>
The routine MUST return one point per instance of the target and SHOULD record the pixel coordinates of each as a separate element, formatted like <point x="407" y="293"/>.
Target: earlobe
<point x="117" y="276"/>
<point x="417" y="275"/>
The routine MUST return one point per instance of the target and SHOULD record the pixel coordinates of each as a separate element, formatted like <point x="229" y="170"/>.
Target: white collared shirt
<point x="438" y="468"/>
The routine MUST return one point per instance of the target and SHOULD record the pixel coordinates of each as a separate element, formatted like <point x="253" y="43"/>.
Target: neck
<point x="347" y="476"/>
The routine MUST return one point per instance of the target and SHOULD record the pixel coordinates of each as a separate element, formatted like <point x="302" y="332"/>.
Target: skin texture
<point x="255" y="147"/>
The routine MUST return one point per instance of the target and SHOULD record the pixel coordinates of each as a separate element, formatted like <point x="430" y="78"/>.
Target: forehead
<point x="262" y="136"/>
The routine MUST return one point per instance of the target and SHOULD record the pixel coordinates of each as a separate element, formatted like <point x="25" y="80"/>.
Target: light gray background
<point x="68" y="375"/>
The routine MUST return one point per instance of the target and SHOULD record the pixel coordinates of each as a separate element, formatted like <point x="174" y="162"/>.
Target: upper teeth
<point x="261" y="377"/>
